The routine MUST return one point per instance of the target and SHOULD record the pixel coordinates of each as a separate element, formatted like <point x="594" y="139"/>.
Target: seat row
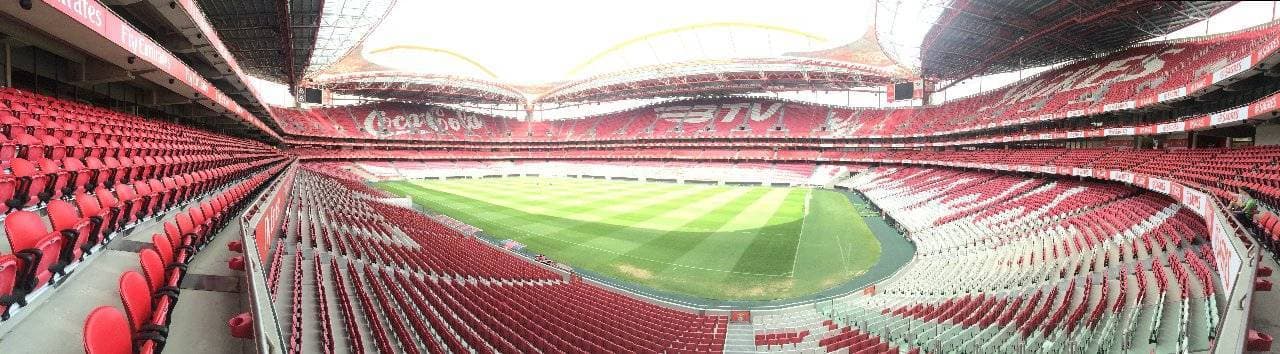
<point x="82" y="224"/>
<point x="149" y="296"/>
<point x="389" y="279"/>
<point x="1067" y="265"/>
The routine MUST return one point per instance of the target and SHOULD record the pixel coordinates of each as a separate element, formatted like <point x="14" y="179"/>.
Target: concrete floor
<point x="1264" y="315"/>
<point x="54" y="320"/>
<point x="199" y="323"/>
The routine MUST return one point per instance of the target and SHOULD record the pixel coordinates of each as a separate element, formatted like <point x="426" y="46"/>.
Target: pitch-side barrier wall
<point x="258" y="225"/>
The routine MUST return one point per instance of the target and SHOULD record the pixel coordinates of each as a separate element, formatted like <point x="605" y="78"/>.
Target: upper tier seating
<point x="1218" y="171"/>
<point x="94" y="173"/>
<point x="1079" y="88"/>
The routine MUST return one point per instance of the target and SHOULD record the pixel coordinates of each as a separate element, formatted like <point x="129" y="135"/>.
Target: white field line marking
<point x="808" y="195"/>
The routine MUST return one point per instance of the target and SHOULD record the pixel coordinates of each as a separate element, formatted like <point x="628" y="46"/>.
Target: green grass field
<point x="717" y="242"/>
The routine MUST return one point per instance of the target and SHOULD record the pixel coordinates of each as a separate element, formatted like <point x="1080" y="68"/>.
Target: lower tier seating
<point x="1050" y="265"/>
<point x="357" y="275"/>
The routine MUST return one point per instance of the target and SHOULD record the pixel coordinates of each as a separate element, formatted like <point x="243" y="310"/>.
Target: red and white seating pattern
<point x="1050" y="265"/>
<point x="1089" y="86"/>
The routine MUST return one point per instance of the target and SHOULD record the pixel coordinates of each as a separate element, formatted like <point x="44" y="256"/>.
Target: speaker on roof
<point x="310" y="95"/>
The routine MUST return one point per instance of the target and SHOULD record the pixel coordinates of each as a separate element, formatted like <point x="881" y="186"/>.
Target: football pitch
<point x="716" y="242"/>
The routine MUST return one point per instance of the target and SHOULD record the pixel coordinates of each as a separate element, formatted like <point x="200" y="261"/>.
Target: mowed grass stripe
<point x="690" y="239"/>
<point x="566" y="198"/>
<point x="531" y="200"/>
<point x="722" y="248"/>
<point x="661" y="251"/>
<point x="599" y="201"/>
<point x="491" y="196"/>
<point x="834" y="246"/>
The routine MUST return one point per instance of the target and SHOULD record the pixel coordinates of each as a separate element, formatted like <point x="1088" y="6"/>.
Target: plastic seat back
<point x="106" y="331"/>
<point x="26" y="232"/>
<point x="153" y="266"/>
<point x="8" y="275"/>
<point x="67" y="220"/>
<point x="135" y="294"/>
<point x="163" y="247"/>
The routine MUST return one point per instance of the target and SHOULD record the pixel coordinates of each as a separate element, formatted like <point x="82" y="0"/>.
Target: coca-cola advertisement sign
<point x="433" y="120"/>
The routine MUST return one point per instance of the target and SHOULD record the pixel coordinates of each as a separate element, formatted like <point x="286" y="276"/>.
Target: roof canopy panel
<point x="284" y="41"/>
<point x="978" y="37"/>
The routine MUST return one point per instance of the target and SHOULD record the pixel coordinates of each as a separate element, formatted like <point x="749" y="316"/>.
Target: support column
<point x="8" y="66"/>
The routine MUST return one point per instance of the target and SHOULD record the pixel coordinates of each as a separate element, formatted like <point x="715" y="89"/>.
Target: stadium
<point x="871" y="176"/>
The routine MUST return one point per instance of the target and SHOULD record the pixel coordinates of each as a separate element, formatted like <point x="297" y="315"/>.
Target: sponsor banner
<point x="1118" y="106"/>
<point x="1075" y="135"/>
<point x="1172" y="94"/>
<point x="1196" y="200"/>
<point x="98" y="18"/>
<point x="428" y="121"/>
<point x="1075" y="113"/>
<point x="1122" y="176"/>
<point x="273" y="215"/>
<point x="1100" y="174"/>
<point x="1230" y="116"/>
<point x="1024" y="168"/>
<point x="1146" y="130"/>
<point x="1044" y="117"/>
<point x="1082" y="172"/>
<point x="1147" y="100"/>
<point x="1048" y="169"/>
<point x="1046" y="136"/>
<point x="1225" y="257"/>
<point x="1232" y="69"/>
<point x="1128" y="131"/>
<point x="1197" y="123"/>
<point x="1198" y="84"/>
<point x="1174" y="127"/>
<point x="1065" y="171"/>
<point x="1263" y="108"/>
<point x="1266" y="49"/>
<point x="1158" y="185"/>
<point x="1139" y="180"/>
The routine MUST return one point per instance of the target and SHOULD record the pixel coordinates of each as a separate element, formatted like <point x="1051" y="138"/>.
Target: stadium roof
<point x="620" y="51"/>
<point x="283" y="41"/>
<point x="977" y="37"/>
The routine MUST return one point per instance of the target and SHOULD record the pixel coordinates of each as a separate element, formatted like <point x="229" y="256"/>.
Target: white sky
<point x="542" y="41"/>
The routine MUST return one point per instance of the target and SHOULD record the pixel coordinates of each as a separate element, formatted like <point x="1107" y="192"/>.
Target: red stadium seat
<point x="37" y="249"/>
<point x="103" y="331"/>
